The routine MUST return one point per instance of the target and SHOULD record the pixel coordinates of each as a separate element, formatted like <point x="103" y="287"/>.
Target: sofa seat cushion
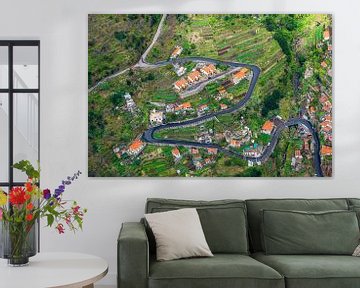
<point x="222" y="270"/>
<point x="315" y="271"/>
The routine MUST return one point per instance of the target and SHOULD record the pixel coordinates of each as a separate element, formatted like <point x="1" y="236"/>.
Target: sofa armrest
<point x="133" y="256"/>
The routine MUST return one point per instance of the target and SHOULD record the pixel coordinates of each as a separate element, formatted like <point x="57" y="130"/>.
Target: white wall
<point x="61" y="26"/>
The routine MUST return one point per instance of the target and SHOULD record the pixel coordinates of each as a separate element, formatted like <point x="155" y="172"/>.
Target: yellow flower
<point x="3" y="198"/>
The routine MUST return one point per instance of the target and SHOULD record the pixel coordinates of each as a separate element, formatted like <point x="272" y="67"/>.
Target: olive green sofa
<point x="233" y="231"/>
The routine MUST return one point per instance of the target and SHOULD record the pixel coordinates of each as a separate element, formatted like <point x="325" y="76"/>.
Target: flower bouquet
<point x="21" y="208"/>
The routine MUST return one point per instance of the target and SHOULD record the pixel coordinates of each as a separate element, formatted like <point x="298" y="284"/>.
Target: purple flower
<point x="46" y="194"/>
<point x="64" y="183"/>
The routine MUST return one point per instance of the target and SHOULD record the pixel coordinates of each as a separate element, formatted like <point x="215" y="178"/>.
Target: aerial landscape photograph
<point x="210" y="95"/>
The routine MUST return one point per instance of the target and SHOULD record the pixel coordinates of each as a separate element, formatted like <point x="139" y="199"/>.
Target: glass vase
<point x="18" y="242"/>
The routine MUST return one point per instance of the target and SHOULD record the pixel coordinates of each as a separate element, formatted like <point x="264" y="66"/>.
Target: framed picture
<point x="210" y="95"/>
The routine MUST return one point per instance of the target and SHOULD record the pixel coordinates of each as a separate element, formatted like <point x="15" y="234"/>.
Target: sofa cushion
<point x="353" y="201"/>
<point x="255" y="206"/>
<point x="297" y="232"/>
<point x="314" y="271"/>
<point x="222" y="270"/>
<point x="178" y="234"/>
<point x="223" y="221"/>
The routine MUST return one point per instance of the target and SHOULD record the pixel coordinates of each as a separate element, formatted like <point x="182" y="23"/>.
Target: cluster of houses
<point x="205" y="135"/>
<point x="199" y="162"/>
<point x="238" y="138"/>
<point x="199" y="73"/>
<point x="327" y="56"/>
<point x="197" y="159"/>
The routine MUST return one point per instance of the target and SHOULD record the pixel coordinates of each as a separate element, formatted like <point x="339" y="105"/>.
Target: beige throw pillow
<point x="178" y="234"/>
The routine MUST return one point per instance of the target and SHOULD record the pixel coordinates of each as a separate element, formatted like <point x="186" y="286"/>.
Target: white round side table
<point x="54" y="270"/>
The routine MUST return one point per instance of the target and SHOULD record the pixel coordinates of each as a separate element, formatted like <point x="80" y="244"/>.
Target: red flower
<point x="29" y="186"/>
<point x="17" y="196"/>
<point x="29" y="217"/>
<point x="29" y="206"/>
<point x="27" y="196"/>
<point x="60" y="228"/>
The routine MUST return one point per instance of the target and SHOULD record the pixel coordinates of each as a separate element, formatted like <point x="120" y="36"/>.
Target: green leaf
<point x="50" y="219"/>
<point x="26" y="167"/>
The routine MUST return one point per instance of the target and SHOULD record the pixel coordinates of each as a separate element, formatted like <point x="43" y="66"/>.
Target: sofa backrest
<point x="255" y="206"/>
<point x="223" y="221"/>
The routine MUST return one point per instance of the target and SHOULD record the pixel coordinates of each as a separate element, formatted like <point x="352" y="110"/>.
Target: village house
<point x="268" y="127"/>
<point x="327" y="106"/>
<point x="198" y="164"/>
<point x="136" y="147"/>
<point x="208" y="70"/>
<point x="156" y="117"/>
<point x="235" y="143"/>
<point x="176" y="52"/>
<point x="324" y="98"/>
<point x="170" y="108"/>
<point x="202" y="109"/>
<point x="176" y="153"/>
<point x="194" y="151"/>
<point x="179" y="70"/>
<point x="193" y="76"/>
<point x="323" y="64"/>
<point x="212" y="151"/>
<point x="326" y="150"/>
<point x="222" y="91"/>
<point x="130" y="104"/>
<point x="240" y="75"/>
<point x="253" y="151"/>
<point x="181" y="84"/>
<point x="183" y="107"/>
<point x="223" y="106"/>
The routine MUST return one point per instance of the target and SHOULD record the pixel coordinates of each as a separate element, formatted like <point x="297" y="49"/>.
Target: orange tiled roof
<point x="235" y="142"/>
<point x="209" y="69"/>
<point x="326" y="150"/>
<point x="223" y="106"/>
<point x="241" y="74"/>
<point x="180" y="83"/>
<point x="136" y="145"/>
<point x="176" y="152"/>
<point x="176" y="51"/>
<point x="268" y="126"/>
<point x="212" y="150"/>
<point x="323" y="64"/>
<point x="193" y="75"/>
